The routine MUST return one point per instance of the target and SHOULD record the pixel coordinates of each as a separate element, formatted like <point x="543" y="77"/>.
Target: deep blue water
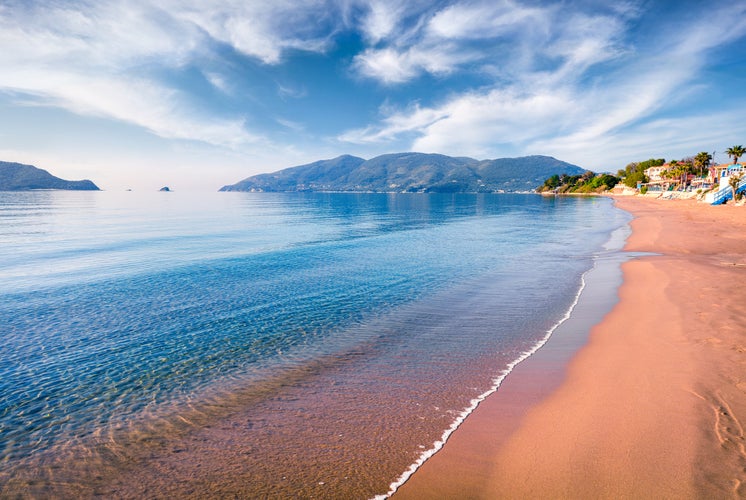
<point x="117" y="309"/>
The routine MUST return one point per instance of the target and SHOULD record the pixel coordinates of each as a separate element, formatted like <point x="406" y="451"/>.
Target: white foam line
<point x="476" y="401"/>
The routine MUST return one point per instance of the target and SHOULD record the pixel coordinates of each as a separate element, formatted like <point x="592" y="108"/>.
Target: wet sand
<point x="652" y="406"/>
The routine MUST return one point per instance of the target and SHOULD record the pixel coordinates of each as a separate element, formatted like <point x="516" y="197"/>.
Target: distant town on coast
<point x="692" y="177"/>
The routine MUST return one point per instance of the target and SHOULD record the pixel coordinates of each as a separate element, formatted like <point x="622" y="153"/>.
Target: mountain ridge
<point x="22" y="177"/>
<point x="411" y="172"/>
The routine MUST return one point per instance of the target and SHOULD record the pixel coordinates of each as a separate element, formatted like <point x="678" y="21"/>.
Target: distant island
<point x="20" y="177"/>
<point x="412" y="173"/>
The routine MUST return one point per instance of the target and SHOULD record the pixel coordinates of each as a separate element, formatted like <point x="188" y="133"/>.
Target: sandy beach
<point x="652" y="406"/>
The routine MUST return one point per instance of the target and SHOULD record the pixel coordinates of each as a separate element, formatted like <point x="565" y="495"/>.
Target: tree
<point x="607" y="180"/>
<point x="733" y="182"/>
<point x="702" y="161"/>
<point x="735" y="152"/>
<point x="553" y="182"/>
<point x="589" y="182"/>
<point x="675" y="172"/>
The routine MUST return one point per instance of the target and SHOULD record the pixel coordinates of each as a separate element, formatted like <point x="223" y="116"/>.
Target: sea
<point x="268" y="345"/>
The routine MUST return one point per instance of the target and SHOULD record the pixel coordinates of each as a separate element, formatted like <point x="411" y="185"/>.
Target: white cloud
<point x="441" y="41"/>
<point x="499" y="116"/>
<point x="140" y="102"/>
<point x="219" y="82"/>
<point x="381" y="20"/>
<point x="537" y="118"/>
<point x="659" y="138"/>
<point x="548" y="100"/>
<point x="414" y="119"/>
<point x="485" y="21"/>
<point x="261" y="29"/>
<point x="46" y="78"/>
<point x="392" y="66"/>
<point x="96" y="59"/>
<point x="501" y="37"/>
<point x="583" y="40"/>
<point x="291" y="125"/>
<point x="529" y="102"/>
<point x="291" y="92"/>
<point x="387" y="65"/>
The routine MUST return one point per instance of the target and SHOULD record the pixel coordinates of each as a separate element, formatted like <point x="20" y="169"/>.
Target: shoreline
<point x="606" y="262"/>
<point x="651" y="404"/>
<point x="535" y="374"/>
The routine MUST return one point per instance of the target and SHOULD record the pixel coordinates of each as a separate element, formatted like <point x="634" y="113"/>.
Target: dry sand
<point x="652" y="407"/>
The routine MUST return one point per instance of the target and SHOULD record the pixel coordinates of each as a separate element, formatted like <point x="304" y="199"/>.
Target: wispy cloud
<point x="549" y="98"/>
<point x="291" y="91"/>
<point x="485" y="20"/>
<point x="106" y="59"/>
<point x="261" y="29"/>
<point x="390" y="65"/>
<point x="95" y="61"/>
<point x="381" y="19"/>
<point x="291" y="125"/>
<point x="665" y="137"/>
<point x="443" y="40"/>
<point x="414" y="119"/>
<point x="532" y="99"/>
<point x="219" y="82"/>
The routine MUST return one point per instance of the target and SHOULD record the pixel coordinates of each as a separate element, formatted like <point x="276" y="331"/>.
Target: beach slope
<point x="653" y="406"/>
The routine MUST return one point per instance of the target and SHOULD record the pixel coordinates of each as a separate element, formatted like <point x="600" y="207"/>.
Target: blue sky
<point x="192" y="94"/>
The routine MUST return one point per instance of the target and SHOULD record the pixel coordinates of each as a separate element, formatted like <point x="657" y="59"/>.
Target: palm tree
<point x="733" y="182"/>
<point x="702" y="161"/>
<point x="735" y="152"/>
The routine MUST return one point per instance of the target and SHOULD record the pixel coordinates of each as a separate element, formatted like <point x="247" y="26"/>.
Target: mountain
<point x="317" y="176"/>
<point x="411" y="172"/>
<point x="20" y="177"/>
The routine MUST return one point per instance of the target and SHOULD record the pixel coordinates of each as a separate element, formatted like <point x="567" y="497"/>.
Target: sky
<point x="197" y="94"/>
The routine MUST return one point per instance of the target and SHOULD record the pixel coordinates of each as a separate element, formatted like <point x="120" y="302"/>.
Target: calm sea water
<point x="265" y="345"/>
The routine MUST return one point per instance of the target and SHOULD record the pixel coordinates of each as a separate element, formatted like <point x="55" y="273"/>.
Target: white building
<point x="654" y="174"/>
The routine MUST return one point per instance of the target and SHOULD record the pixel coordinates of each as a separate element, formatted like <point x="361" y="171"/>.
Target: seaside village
<point x="694" y="177"/>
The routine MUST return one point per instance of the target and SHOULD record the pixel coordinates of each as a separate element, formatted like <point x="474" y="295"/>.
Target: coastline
<point x="651" y="405"/>
<point x="581" y="314"/>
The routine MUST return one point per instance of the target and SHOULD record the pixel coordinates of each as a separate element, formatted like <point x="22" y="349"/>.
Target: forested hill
<point x="411" y="172"/>
<point x="20" y="177"/>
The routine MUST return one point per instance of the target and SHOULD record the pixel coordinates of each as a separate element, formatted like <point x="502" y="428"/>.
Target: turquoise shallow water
<point x="369" y="320"/>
